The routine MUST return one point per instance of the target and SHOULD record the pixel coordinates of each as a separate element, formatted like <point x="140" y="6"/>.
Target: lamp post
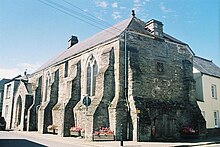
<point x="121" y="142"/>
<point x="138" y="111"/>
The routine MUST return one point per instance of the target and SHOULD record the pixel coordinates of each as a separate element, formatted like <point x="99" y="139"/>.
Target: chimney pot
<point x="72" y="41"/>
<point x="155" y="27"/>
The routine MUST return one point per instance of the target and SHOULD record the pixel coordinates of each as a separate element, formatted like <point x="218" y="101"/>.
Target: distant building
<point x="207" y="77"/>
<point x="2" y="83"/>
<point x="139" y="80"/>
<point x="8" y="108"/>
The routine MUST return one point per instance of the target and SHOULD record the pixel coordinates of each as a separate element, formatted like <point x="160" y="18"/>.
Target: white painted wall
<point x="210" y="104"/>
<point x="8" y="101"/>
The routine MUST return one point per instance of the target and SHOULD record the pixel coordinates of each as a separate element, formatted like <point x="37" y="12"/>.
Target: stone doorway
<point x="165" y="126"/>
<point x="18" y="111"/>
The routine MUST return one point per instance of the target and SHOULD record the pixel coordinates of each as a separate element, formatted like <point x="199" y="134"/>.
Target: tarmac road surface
<point x="35" y="139"/>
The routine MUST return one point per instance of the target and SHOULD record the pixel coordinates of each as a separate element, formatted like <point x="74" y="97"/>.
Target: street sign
<point x="86" y="101"/>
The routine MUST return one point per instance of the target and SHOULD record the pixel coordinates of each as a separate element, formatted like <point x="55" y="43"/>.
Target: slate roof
<point x="132" y="23"/>
<point x="96" y="39"/>
<point x="206" y="66"/>
<point x="2" y="82"/>
<point x="173" y="39"/>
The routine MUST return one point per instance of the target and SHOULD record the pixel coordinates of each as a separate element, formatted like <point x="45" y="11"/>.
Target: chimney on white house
<point x="72" y="41"/>
<point x="155" y="27"/>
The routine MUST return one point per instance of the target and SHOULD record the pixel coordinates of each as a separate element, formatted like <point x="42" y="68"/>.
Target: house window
<point x="160" y="67"/>
<point x="92" y="71"/>
<point x="216" y="119"/>
<point x="66" y="69"/>
<point x="8" y="91"/>
<point x="213" y="91"/>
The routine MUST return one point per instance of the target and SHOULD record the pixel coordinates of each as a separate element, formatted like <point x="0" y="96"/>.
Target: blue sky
<point x="31" y="32"/>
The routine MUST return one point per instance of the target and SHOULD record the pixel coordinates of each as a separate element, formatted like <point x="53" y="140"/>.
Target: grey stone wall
<point x="33" y="110"/>
<point x="163" y="96"/>
<point x="101" y="116"/>
<point x="45" y="110"/>
<point x="69" y="119"/>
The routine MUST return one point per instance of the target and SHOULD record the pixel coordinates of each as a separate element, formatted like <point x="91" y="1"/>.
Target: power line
<point x="70" y="12"/>
<point x="92" y="16"/>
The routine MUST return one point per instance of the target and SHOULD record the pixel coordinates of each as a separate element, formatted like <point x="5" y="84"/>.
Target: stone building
<point x="138" y="78"/>
<point x="13" y="101"/>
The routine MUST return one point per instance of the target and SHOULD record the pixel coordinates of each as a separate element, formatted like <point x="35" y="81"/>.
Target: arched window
<point x="92" y="71"/>
<point x="48" y="82"/>
<point x="95" y="72"/>
<point x="66" y="69"/>
<point x="88" y="79"/>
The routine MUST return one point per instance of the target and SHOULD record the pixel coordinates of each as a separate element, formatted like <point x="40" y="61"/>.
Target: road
<point x="35" y="139"/>
<point x="32" y="139"/>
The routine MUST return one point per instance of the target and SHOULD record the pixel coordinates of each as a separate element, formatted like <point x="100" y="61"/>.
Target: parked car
<point x="2" y="123"/>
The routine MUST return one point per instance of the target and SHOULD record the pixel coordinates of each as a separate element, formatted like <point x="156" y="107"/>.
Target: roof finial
<point x="133" y="13"/>
<point x="25" y="72"/>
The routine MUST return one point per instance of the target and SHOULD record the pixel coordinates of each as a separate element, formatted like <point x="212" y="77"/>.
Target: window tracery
<point x="91" y="72"/>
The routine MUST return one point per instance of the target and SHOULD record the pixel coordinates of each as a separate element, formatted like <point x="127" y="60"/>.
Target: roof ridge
<point x="203" y="58"/>
<point x="96" y="39"/>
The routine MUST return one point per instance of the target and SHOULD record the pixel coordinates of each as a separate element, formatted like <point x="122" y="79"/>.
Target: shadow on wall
<point x="18" y="143"/>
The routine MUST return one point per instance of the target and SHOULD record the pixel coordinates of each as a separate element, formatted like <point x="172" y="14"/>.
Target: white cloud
<point x="146" y="1"/>
<point x="139" y="5"/>
<point x="123" y="8"/>
<point x="102" y="4"/>
<point x="164" y="9"/>
<point x="164" y="16"/>
<point x="116" y="15"/>
<point x="115" y="5"/>
<point x="137" y="1"/>
<point x="9" y="73"/>
<point x="30" y="67"/>
<point x="18" y="70"/>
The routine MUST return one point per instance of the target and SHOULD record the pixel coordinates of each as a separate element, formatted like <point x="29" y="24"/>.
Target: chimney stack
<point x="155" y="27"/>
<point x="72" y="41"/>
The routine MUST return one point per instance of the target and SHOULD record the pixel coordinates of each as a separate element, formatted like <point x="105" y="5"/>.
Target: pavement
<point x="26" y="139"/>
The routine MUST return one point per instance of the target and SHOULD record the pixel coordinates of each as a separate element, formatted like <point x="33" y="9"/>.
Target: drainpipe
<point x="126" y="68"/>
<point x="126" y="84"/>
